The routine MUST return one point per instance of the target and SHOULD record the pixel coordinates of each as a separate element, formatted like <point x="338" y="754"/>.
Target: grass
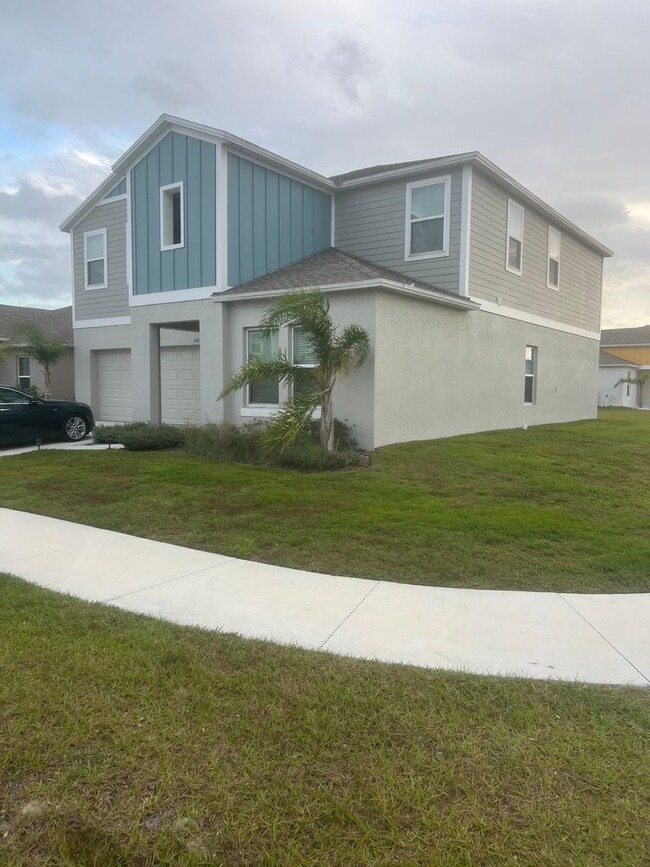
<point x="128" y="741"/>
<point x="558" y="507"/>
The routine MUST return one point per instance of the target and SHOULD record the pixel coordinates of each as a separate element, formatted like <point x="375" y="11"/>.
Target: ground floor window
<point x="259" y="344"/>
<point x="530" y="375"/>
<point x="24" y="378"/>
<point x="303" y="355"/>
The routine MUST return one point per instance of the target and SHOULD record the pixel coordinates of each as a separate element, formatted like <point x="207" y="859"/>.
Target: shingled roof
<point x="606" y="359"/>
<point x="331" y="266"/>
<point x="55" y="324"/>
<point x="625" y="336"/>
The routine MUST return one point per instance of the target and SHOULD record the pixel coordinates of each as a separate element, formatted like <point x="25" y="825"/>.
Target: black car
<point x="24" y="418"/>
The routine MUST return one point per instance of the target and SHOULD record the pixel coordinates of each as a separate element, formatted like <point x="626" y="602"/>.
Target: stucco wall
<point x="62" y="384"/>
<point x="610" y="394"/>
<point x="441" y="372"/>
<point x="353" y="395"/>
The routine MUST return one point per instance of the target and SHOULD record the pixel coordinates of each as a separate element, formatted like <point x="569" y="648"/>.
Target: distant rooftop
<point x="55" y="324"/>
<point x="625" y="336"/>
<point x="606" y="359"/>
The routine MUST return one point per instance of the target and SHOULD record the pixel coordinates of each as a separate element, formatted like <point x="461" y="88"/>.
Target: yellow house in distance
<point x="624" y="355"/>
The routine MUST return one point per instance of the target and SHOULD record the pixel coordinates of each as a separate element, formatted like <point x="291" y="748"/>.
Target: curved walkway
<point x="564" y="636"/>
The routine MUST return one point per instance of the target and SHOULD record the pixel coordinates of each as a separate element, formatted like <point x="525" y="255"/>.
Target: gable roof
<point x="606" y="359"/>
<point x="55" y="324"/>
<point x="625" y="336"/>
<point x="169" y="123"/>
<point x="333" y="269"/>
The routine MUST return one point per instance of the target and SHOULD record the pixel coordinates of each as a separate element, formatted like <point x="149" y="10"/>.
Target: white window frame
<point x="177" y="186"/>
<point x="532" y="375"/>
<point x="511" y="206"/>
<point x="20" y="376"/>
<point x="87" y="235"/>
<point x="267" y="408"/>
<point x="553" y="231"/>
<point x="434" y="254"/>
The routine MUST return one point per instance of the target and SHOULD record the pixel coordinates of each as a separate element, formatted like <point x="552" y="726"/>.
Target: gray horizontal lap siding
<point x="114" y="300"/>
<point x="578" y="300"/>
<point x="370" y="222"/>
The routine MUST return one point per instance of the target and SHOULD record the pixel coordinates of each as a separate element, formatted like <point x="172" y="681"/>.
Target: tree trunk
<point x="327" y="422"/>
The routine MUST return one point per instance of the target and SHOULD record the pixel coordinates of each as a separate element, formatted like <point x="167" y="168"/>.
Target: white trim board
<point x="198" y="294"/>
<point x="465" y="228"/>
<point x="100" y="323"/>
<point x="533" y="319"/>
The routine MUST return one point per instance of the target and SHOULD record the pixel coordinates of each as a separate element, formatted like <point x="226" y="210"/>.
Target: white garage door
<point x="180" y="385"/>
<point x="115" y="385"/>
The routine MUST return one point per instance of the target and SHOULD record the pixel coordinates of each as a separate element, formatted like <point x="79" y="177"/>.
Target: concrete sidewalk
<point x="595" y="639"/>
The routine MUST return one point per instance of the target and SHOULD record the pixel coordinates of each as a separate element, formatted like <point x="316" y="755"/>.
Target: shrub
<point x="311" y="457"/>
<point x="344" y="440"/>
<point x="227" y="442"/>
<point x="141" y="436"/>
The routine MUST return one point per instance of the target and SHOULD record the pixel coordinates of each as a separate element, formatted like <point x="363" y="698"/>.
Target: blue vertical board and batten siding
<point x="175" y="158"/>
<point x="273" y="220"/>
<point x="119" y="190"/>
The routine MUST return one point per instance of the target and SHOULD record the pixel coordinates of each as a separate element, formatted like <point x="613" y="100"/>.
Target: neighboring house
<point x="17" y="368"/>
<point x="478" y="297"/>
<point x="625" y="354"/>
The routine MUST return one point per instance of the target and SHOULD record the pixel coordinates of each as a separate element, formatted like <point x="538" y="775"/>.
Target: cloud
<point x="555" y="93"/>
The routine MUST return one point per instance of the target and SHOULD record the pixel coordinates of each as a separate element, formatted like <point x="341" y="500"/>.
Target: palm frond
<point x="288" y="424"/>
<point x="353" y="343"/>
<point x="279" y="367"/>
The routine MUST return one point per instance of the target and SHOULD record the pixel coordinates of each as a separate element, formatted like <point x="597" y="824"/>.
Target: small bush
<point x="227" y="442"/>
<point x="311" y="457"/>
<point x="344" y="441"/>
<point x="141" y="436"/>
<point x="111" y="434"/>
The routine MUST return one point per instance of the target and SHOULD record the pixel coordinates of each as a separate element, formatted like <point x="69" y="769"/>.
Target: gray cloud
<point x="555" y="93"/>
<point x="30" y="202"/>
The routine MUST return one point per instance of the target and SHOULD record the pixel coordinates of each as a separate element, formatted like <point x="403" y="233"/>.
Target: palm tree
<point x="335" y="354"/>
<point x="639" y="380"/>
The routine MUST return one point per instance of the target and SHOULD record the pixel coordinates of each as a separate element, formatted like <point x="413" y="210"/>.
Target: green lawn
<point x="558" y="507"/>
<point x="128" y="741"/>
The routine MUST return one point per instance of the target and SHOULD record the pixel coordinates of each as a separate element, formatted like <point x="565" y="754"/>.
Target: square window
<point x="427" y="219"/>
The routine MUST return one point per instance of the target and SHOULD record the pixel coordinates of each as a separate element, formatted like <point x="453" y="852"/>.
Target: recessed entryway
<point x="180" y="376"/>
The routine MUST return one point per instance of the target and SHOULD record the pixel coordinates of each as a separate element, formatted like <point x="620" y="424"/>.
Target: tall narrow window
<point x="263" y="392"/>
<point x="172" y="217"/>
<point x="303" y="356"/>
<point x="553" y="275"/>
<point x="530" y="375"/>
<point x="427" y="219"/>
<point x="24" y="378"/>
<point x="95" y="259"/>
<point x="515" y="239"/>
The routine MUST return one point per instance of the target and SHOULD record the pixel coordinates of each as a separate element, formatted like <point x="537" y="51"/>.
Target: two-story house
<point x="482" y="302"/>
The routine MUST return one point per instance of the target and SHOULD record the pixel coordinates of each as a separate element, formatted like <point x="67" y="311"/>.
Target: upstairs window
<point x="172" y="217"/>
<point x="553" y="274"/>
<point x="515" y="238"/>
<point x="530" y="375"/>
<point x="427" y="219"/>
<point x="263" y="392"/>
<point x="24" y="378"/>
<point x="95" y="259"/>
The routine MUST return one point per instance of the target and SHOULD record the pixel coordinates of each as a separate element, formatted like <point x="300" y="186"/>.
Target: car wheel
<point x="75" y="428"/>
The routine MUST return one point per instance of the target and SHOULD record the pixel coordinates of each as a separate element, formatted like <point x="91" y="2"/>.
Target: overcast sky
<point x="556" y="92"/>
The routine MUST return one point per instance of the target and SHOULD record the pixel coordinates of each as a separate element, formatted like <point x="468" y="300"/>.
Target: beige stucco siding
<point x="370" y="222"/>
<point x="441" y="372"/>
<point x="577" y="302"/>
